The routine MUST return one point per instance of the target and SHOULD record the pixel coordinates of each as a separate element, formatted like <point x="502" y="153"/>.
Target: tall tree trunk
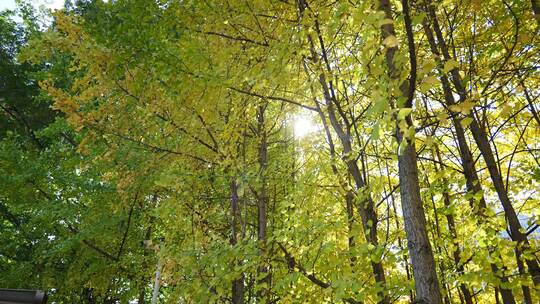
<point x="482" y="141"/>
<point x="349" y="195"/>
<point x="237" y="287"/>
<point x="399" y="239"/>
<point x="422" y="260"/>
<point x="423" y="263"/>
<point x="262" y="205"/>
<point x="349" y="200"/>
<point x="146" y="252"/>
<point x="445" y="290"/>
<point x="526" y="291"/>
<point x="366" y="207"/>
<point x="155" y="290"/>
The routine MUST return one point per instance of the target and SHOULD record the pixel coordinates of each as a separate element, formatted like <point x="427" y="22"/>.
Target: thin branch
<point x="273" y="98"/>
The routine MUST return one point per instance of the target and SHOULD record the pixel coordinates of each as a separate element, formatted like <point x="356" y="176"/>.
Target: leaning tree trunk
<point x="471" y="177"/>
<point x="482" y="141"/>
<point x="366" y="206"/>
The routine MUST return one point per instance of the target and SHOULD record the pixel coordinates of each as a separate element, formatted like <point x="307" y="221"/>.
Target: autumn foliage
<point x="293" y="151"/>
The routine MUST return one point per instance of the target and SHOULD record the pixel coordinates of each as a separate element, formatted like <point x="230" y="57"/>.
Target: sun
<point x="303" y="126"/>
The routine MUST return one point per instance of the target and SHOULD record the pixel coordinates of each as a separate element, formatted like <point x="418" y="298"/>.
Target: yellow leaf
<point x="464" y="107"/>
<point x="442" y="117"/>
<point x="466" y="121"/>
<point x="391" y="41"/>
<point x="429" y="141"/>
<point x="428" y="83"/>
<point x="403" y="112"/>
<point x="455" y="108"/>
<point x="427" y="67"/>
<point x="386" y="21"/>
<point x="467" y="106"/>
<point x="450" y="65"/>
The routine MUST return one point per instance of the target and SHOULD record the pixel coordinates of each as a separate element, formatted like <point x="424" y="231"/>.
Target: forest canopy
<point x="284" y="151"/>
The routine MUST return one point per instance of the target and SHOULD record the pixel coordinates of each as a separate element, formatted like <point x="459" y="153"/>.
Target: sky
<point x="54" y="4"/>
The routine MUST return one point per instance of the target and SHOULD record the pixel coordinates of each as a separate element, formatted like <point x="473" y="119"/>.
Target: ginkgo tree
<point x="172" y="171"/>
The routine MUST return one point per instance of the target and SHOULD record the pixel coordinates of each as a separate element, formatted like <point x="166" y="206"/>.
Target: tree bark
<point x="445" y="289"/>
<point x="155" y="290"/>
<point x="453" y="233"/>
<point x="526" y="291"/>
<point x="422" y="260"/>
<point x="237" y="287"/>
<point x="262" y="205"/>
<point x="482" y="141"/>
<point x="469" y="171"/>
<point x="366" y="206"/>
<point x="536" y="10"/>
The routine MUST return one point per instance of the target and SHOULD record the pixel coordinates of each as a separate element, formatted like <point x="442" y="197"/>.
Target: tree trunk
<point x="400" y="242"/>
<point x="262" y="204"/>
<point x="422" y="260"/>
<point x="481" y="139"/>
<point x="536" y="10"/>
<point x="423" y="263"/>
<point x="237" y="287"/>
<point x="526" y="291"/>
<point x="365" y="206"/>
<point x="445" y="290"/>
<point x="453" y="233"/>
<point x="469" y="171"/>
<point x="155" y="290"/>
<point x="349" y="195"/>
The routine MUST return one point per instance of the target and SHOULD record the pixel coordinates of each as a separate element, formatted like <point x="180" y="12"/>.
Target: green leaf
<point x="376" y="132"/>
<point x="417" y="19"/>
<point x="536" y="174"/>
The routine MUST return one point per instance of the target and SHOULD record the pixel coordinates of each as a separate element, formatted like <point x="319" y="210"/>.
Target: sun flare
<point x="303" y="126"/>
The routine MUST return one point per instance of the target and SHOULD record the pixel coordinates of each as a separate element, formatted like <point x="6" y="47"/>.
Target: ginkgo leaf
<point x="428" y="83"/>
<point x="427" y="67"/>
<point x="391" y="41"/>
<point x="450" y="65"/>
<point x="442" y="117"/>
<point x="455" y="108"/>
<point x="403" y="112"/>
<point x="375" y="133"/>
<point x="465" y="122"/>
<point x="464" y="107"/>
<point x="467" y="106"/>
<point x="386" y="21"/>
<point x="418" y="18"/>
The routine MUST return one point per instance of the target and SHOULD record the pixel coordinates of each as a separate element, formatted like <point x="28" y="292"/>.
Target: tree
<point x="171" y="162"/>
